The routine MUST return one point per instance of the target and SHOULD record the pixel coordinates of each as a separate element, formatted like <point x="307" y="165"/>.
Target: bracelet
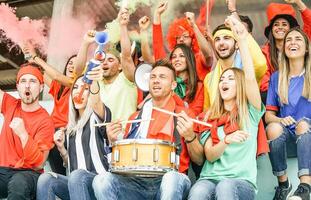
<point x="227" y="143"/>
<point x="96" y="91"/>
<point x="233" y="11"/>
<point x="189" y="141"/>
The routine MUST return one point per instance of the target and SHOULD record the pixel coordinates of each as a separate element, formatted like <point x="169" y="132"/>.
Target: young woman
<point x="289" y="113"/>
<point x="85" y="154"/>
<point x="281" y="18"/>
<point x="189" y="88"/>
<point x="232" y="139"/>
<point x="59" y="84"/>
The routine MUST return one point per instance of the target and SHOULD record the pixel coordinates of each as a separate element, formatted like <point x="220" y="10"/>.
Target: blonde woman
<point x="228" y="149"/>
<point x="85" y="155"/>
<point x="289" y="113"/>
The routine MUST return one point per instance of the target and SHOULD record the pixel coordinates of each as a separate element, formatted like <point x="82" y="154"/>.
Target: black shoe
<point x="302" y="193"/>
<point x="282" y="193"/>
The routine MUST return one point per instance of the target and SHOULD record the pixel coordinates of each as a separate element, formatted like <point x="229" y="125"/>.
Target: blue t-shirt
<point x="298" y="107"/>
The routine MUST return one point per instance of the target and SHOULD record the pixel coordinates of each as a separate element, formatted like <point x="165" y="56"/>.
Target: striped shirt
<point x="87" y="147"/>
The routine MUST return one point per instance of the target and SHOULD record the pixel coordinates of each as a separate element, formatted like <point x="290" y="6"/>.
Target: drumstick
<point x="174" y="114"/>
<point x="125" y="122"/>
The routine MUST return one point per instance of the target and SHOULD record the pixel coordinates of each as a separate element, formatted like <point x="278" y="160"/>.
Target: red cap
<point x="279" y="10"/>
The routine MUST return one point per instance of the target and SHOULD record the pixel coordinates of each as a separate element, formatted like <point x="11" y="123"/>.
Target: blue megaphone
<point x="101" y="38"/>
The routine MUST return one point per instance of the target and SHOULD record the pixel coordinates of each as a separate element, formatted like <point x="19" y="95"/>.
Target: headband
<point x="30" y="70"/>
<point x="223" y="32"/>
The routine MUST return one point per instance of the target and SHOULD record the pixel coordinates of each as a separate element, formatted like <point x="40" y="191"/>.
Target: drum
<point x="143" y="157"/>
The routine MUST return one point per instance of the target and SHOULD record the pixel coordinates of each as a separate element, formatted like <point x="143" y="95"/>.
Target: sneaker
<point x="282" y="193"/>
<point x="302" y="193"/>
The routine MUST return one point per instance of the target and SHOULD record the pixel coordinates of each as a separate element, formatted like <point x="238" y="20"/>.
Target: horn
<point x="101" y="38"/>
<point x="142" y="76"/>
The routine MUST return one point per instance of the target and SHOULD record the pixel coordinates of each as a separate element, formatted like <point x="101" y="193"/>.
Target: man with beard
<point x="228" y="55"/>
<point x="173" y="184"/>
<point x="26" y="136"/>
<point x="117" y="90"/>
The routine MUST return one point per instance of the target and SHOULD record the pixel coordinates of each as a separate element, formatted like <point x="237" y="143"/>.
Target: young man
<point x="117" y="90"/>
<point x="172" y="185"/>
<point x="26" y="136"/>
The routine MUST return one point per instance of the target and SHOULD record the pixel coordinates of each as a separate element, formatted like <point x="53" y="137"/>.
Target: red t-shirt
<point x="61" y="105"/>
<point x="40" y="128"/>
<point x="156" y="130"/>
<point x="196" y="106"/>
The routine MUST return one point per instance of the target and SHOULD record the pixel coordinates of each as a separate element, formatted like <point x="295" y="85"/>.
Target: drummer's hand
<point x="185" y="126"/>
<point x="113" y="130"/>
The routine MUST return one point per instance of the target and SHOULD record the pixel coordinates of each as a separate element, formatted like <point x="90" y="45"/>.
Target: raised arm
<point x="127" y="63"/>
<point x="157" y="35"/>
<point x="231" y="4"/>
<point x="144" y="24"/>
<point x="97" y="105"/>
<point x="50" y="73"/>
<point x="88" y="39"/>
<point x="204" y="45"/>
<point x="241" y="34"/>
<point x="305" y="14"/>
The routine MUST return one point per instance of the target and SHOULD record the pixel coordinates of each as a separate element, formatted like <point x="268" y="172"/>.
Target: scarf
<point x="180" y="90"/>
<point x="222" y="121"/>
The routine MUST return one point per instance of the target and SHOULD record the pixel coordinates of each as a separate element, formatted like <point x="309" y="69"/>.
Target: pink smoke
<point x="70" y="35"/>
<point x="69" y="31"/>
<point x="22" y="30"/>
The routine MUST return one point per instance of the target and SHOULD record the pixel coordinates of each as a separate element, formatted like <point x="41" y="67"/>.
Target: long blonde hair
<point x="218" y="108"/>
<point x="284" y="69"/>
<point x="76" y="122"/>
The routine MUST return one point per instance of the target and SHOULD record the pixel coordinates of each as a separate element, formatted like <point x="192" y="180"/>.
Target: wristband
<point x="189" y="141"/>
<point x="96" y="91"/>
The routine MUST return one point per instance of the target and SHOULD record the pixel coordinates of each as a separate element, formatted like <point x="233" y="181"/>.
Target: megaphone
<point x="142" y="76"/>
<point x="101" y="38"/>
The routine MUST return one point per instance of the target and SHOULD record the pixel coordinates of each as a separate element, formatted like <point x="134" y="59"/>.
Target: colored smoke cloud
<point x="21" y="30"/>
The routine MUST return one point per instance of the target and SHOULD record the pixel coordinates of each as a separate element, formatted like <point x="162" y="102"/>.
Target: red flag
<point x="201" y="20"/>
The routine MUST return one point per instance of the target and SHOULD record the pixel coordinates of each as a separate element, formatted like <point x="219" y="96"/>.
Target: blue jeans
<point x="227" y="189"/>
<point x="172" y="185"/>
<point x="278" y="153"/>
<point x="77" y="186"/>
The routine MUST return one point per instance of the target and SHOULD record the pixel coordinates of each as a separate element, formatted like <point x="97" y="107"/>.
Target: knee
<point x="77" y="177"/>
<point x="18" y="183"/>
<point x="200" y="188"/>
<point x="225" y="185"/>
<point x="44" y="180"/>
<point x="302" y="127"/>
<point x="174" y="178"/>
<point x="100" y="181"/>
<point x="274" y="130"/>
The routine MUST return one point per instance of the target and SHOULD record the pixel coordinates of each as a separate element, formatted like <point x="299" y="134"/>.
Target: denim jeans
<point x="18" y="184"/>
<point x="227" y="189"/>
<point x="278" y="152"/>
<point x="172" y="185"/>
<point x="77" y="186"/>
